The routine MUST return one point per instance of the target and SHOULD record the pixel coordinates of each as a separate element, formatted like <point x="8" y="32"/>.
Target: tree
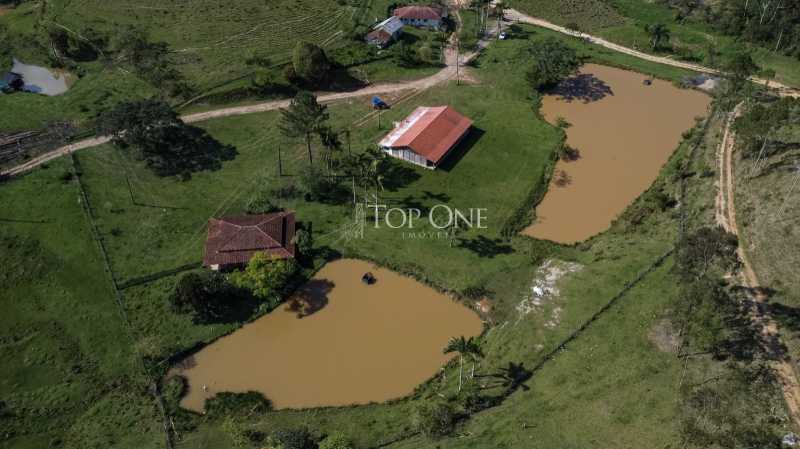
<point x="303" y="241"/>
<point x="206" y="296"/>
<point x="554" y="61"/>
<point x="331" y="142"/>
<point x="310" y="63"/>
<point x="153" y="132"/>
<point x="705" y="248"/>
<point x="265" y="276"/>
<point x="659" y="34"/>
<point x="375" y="166"/>
<point x="316" y="184"/>
<point x="464" y="347"/>
<point x="336" y="440"/>
<point x="304" y="117"/>
<point x="739" y="68"/>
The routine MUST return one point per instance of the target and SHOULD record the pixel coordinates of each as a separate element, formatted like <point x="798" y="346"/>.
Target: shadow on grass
<point x="461" y="150"/>
<point x="485" y="247"/>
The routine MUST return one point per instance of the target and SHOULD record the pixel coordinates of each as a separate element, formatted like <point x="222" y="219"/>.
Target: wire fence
<point x="98" y="238"/>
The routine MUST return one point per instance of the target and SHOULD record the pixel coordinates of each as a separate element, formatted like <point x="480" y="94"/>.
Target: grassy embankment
<point x="767" y="212"/>
<point x="623" y="21"/>
<point x="165" y="229"/>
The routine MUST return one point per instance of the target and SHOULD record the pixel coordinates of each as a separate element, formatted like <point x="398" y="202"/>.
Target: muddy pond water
<point x="338" y="342"/>
<point x="624" y="131"/>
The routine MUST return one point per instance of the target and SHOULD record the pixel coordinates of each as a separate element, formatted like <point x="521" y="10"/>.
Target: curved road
<point x="445" y="74"/>
<point x="726" y="217"/>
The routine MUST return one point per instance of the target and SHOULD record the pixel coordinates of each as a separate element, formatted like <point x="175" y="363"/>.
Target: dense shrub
<point x="248" y="403"/>
<point x="434" y="418"/>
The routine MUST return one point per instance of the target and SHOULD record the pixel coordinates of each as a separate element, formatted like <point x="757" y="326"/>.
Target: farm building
<point x="385" y="32"/>
<point x="426" y="136"/>
<point x="421" y="16"/>
<point x="10" y="82"/>
<point x="232" y="241"/>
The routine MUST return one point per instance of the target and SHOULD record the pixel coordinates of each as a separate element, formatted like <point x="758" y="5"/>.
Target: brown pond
<point x="624" y="131"/>
<point x="355" y="343"/>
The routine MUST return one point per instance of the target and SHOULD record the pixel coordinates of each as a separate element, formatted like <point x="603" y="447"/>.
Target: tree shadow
<point x="485" y="247"/>
<point x="583" y="87"/>
<point x="310" y="298"/>
<point x="398" y="175"/>
<point x="510" y="378"/>
<point x="438" y="196"/>
<point x="187" y="149"/>
<point x="461" y="150"/>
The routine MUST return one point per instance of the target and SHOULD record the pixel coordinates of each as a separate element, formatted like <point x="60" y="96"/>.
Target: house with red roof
<point x="233" y="240"/>
<point x="421" y="16"/>
<point x="426" y="136"/>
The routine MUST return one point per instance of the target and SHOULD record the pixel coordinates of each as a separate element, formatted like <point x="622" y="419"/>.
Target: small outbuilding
<point x="421" y="16"/>
<point x="11" y="82"/>
<point x="426" y="136"/>
<point x="384" y="33"/>
<point x="232" y="241"/>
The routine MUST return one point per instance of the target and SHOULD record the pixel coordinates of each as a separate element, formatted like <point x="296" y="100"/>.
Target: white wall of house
<point x="422" y="23"/>
<point x="408" y="156"/>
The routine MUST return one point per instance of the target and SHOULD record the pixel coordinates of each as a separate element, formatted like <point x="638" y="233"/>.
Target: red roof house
<point x="427" y="135"/>
<point x="232" y="241"/>
<point x="418" y="15"/>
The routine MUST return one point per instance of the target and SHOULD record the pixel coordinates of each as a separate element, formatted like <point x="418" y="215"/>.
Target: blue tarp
<point x="376" y="101"/>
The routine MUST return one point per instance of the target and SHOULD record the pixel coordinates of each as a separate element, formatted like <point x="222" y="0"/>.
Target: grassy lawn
<point x="69" y="375"/>
<point x="618" y="385"/>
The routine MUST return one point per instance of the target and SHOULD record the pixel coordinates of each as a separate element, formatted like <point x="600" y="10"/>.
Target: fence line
<point x="158" y="275"/>
<point x="625" y="289"/>
<point x="87" y="207"/>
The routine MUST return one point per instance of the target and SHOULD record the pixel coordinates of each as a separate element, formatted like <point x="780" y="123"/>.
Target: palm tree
<point x="464" y="347"/>
<point x="374" y="161"/>
<point x="330" y="140"/>
<point x="659" y="33"/>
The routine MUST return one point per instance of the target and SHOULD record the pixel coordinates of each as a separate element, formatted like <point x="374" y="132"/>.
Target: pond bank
<point x="623" y="130"/>
<point x="337" y="342"/>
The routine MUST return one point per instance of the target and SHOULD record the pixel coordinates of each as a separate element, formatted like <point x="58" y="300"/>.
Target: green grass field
<point x="610" y="388"/>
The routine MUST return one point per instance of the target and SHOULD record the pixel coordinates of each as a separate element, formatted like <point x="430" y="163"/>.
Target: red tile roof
<point x="429" y="131"/>
<point x="234" y="240"/>
<point x="418" y="13"/>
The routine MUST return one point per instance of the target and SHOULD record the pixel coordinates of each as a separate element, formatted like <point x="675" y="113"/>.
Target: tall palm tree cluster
<point x="306" y="118"/>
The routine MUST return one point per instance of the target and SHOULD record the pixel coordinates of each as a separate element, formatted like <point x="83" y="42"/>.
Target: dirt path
<point x="726" y="217"/>
<point x="447" y="73"/>
<point x="514" y="15"/>
<point x="453" y="63"/>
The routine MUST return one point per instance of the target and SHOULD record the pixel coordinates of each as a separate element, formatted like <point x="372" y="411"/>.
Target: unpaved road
<point x="445" y="74"/>
<point x="726" y="217"/>
<point x="514" y="15"/>
<point x="453" y="62"/>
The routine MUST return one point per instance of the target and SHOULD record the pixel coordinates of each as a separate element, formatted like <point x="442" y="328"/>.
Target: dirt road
<point x="516" y="16"/>
<point x="447" y="73"/>
<point x="726" y="217"/>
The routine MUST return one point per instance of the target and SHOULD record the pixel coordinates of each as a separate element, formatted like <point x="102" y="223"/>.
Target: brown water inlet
<point x="624" y="131"/>
<point x="354" y="344"/>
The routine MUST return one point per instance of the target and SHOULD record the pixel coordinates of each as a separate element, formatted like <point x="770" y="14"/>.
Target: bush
<point x="336" y="440"/>
<point x="434" y="419"/>
<point x="226" y="404"/>
<point x="266" y="277"/>
<point x="296" y="438"/>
